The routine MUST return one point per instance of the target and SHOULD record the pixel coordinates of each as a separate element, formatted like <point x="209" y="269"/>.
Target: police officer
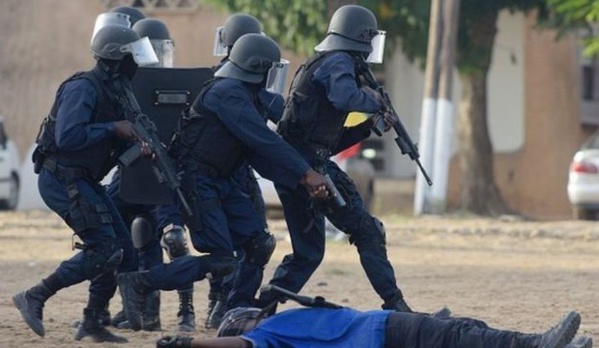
<point x="271" y="107"/>
<point x="79" y="142"/>
<point x="222" y="128"/>
<point x="324" y="90"/>
<point x="139" y="217"/>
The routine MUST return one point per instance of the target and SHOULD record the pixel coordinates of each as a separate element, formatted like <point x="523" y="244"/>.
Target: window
<point x="155" y="6"/>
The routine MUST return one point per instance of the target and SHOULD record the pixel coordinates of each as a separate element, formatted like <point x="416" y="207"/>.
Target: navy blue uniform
<point x="225" y="128"/>
<point x="323" y="92"/>
<point x="85" y="147"/>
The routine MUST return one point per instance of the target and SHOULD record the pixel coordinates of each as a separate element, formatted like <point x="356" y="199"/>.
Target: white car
<point x="10" y="164"/>
<point x="583" y="180"/>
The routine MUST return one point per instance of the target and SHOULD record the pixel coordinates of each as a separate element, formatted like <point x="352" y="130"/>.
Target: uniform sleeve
<point x="232" y="104"/>
<point x="274" y="105"/>
<point x="338" y="77"/>
<point x="74" y="130"/>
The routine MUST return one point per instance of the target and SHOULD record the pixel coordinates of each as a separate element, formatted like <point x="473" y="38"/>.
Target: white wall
<point x="405" y="84"/>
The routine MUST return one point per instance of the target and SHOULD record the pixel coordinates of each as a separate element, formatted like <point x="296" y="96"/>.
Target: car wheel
<point x="584" y="214"/>
<point x="10" y="203"/>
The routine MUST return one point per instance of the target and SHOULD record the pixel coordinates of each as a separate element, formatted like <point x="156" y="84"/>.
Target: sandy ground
<point x="512" y="274"/>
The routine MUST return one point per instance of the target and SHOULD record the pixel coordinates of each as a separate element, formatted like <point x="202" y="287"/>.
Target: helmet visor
<point x="111" y="18"/>
<point x="142" y="51"/>
<point x="378" y="48"/>
<point x="277" y="75"/>
<point x="165" y="51"/>
<point x="220" y="49"/>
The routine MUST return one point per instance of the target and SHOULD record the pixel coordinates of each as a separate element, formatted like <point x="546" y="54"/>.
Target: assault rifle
<point x="403" y="140"/>
<point x="147" y="132"/>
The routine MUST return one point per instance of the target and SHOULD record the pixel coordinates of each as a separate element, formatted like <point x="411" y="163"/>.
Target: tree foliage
<point x="295" y="25"/>
<point x="580" y="15"/>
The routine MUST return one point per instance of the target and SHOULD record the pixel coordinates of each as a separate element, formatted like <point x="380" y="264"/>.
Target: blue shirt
<point x="320" y="327"/>
<point x="337" y="74"/>
<point x="269" y="154"/>
<point x="75" y="104"/>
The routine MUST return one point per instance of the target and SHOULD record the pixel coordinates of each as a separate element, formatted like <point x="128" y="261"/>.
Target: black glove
<point x="174" y="342"/>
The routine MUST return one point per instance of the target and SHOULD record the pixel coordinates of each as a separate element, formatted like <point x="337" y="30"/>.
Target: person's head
<point x="238" y="321"/>
<point x="352" y="28"/>
<point x="160" y="38"/>
<point x="252" y="56"/>
<point x="235" y="26"/>
<point x="134" y="13"/>
<point x="120" y="50"/>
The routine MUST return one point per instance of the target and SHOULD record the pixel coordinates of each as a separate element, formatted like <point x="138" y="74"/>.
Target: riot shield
<point x="162" y="93"/>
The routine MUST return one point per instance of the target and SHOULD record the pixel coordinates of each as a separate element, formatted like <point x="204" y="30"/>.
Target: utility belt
<point x="66" y="174"/>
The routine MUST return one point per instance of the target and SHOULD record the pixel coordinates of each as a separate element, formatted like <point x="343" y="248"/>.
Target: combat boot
<point x="31" y="305"/>
<point x="118" y="319"/>
<point x="398" y="304"/>
<point x="186" y="315"/>
<point x="104" y="318"/>
<point x="93" y="328"/>
<point x="562" y="333"/>
<point x="151" y="317"/>
<point x="581" y="342"/>
<point x="217" y="307"/>
<point x="134" y="288"/>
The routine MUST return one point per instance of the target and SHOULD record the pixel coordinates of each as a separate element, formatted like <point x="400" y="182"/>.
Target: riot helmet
<point x="352" y="28"/>
<point x="239" y="320"/>
<point x="115" y="43"/>
<point x="160" y="38"/>
<point x="235" y="26"/>
<point x="111" y="18"/>
<point x="134" y="14"/>
<point x="252" y="56"/>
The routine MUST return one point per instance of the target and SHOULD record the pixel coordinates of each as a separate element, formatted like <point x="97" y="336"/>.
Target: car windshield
<point x="591" y="143"/>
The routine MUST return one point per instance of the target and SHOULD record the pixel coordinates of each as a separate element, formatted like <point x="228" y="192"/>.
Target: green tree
<point x="302" y="24"/>
<point x="570" y="15"/>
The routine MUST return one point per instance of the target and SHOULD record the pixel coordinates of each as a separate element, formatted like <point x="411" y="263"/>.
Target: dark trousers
<point x="55" y="195"/>
<point x="305" y="221"/>
<point x="228" y="221"/>
<point x="407" y="330"/>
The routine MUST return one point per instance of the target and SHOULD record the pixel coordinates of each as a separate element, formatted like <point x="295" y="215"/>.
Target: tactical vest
<point x="99" y="158"/>
<point x="205" y="144"/>
<point x="309" y="117"/>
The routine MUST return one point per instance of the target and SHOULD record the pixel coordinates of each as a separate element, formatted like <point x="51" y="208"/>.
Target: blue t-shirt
<point x="321" y="327"/>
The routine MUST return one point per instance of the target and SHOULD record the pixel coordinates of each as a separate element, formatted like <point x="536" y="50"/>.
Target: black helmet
<point x="235" y="321"/>
<point x="160" y="38"/>
<point x="153" y="28"/>
<point x="237" y="25"/>
<point x="116" y="42"/>
<point x="134" y="14"/>
<point x="251" y="58"/>
<point x="351" y="28"/>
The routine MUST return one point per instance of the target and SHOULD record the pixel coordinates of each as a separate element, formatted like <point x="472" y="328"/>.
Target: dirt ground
<point x="513" y="274"/>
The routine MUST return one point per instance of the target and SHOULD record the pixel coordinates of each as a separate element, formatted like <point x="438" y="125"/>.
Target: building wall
<point x="533" y="178"/>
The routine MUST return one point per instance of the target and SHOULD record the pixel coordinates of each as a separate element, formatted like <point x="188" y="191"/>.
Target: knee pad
<point x="142" y="232"/>
<point x="174" y="242"/>
<point x="260" y="248"/>
<point x="370" y="235"/>
<point x="100" y="260"/>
